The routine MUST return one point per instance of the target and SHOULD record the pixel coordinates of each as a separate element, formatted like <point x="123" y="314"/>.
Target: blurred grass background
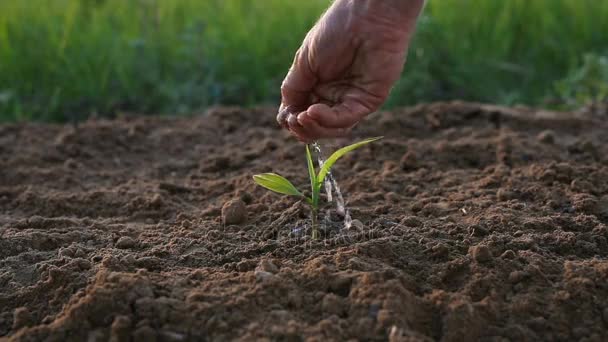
<point x="63" y="60"/>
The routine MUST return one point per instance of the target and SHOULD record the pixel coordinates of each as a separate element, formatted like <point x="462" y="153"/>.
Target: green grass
<point x="66" y="59"/>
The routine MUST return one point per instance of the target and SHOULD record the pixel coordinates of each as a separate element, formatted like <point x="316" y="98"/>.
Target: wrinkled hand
<point x="346" y="66"/>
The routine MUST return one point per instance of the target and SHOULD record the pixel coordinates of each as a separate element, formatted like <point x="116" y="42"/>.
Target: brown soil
<point x="476" y="223"/>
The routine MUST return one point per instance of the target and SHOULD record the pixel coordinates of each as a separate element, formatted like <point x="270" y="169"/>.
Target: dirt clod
<point x="508" y="254"/>
<point x="480" y="253"/>
<point x="120" y="329"/>
<point x="409" y="161"/>
<point x="144" y="334"/>
<point x="268" y="266"/>
<point x="234" y="212"/>
<point x="358" y="225"/>
<point x="22" y="318"/>
<point x="126" y="242"/>
<point x="263" y="275"/>
<point x="546" y="136"/>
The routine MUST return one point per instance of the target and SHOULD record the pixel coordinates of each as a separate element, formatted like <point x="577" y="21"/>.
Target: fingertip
<point x="300" y="133"/>
<point x="292" y="120"/>
<point x="304" y="119"/>
<point x="282" y="116"/>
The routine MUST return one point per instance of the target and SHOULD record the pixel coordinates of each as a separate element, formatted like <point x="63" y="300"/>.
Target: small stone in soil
<point x="121" y="328"/>
<point x="234" y="212"/>
<point x="477" y="231"/>
<point x="245" y="196"/>
<point x="546" y="136"/>
<point x="21" y="318"/>
<point x="409" y="161"/>
<point x="480" y="253"/>
<point x="440" y="250"/>
<point x="332" y="304"/>
<point x="263" y="275"/>
<point x="411" y="221"/>
<point x="504" y="195"/>
<point x="357" y="225"/>
<point x="508" y="254"/>
<point x="126" y="242"/>
<point x="268" y="266"/>
<point x="144" y="333"/>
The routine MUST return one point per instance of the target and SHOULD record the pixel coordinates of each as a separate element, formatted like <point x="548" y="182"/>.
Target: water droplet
<point x="348" y="220"/>
<point x="331" y="188"/>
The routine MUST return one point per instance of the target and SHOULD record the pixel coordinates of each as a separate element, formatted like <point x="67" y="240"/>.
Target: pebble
<point x="409" y="161"/>
<point x="246" y="197"/>
<point x="477" y="230"/>
<point x="546" y="136"/>
<point x="480" y="253"/>
<point x="440" y="250"/>
<point x="411" y="221"/>
<point x="268" y="266"/>
<point x="126" y="242"/>
<point x="504" y="195"/>
<point x="144" y="334"/>
<point x="70" y="164"/>
<point x="156" y="201"/>
<point x="121" y="328"/>
<point x="516" y="276"/>
<point x="357" y="225"/>
<point x="234" y="212"/>
<point x="172" y="336"/>
<point x="263" y="275"/>
<point x="21" y="318"/>
<point x="332" y="304"/>
<point x="508" y="254"/>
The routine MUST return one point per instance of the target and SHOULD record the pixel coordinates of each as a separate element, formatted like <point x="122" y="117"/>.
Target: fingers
<point x="322" y="121"/>
<point x="284" y="112"/>
<point x="298" y="130"/>
<point x="345" y="114"/>
<point x="296" y="87"/>
<point x="318" y="131"/>
<point x="308" y="130"/>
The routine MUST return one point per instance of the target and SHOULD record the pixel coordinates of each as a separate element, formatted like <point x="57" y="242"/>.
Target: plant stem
<point x="315" y="223"/>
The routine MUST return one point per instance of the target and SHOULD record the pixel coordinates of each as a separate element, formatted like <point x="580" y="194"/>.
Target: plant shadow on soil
<point x="477" y="222"/>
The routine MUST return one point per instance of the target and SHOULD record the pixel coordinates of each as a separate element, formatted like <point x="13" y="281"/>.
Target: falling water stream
<point x="331" y="188"/>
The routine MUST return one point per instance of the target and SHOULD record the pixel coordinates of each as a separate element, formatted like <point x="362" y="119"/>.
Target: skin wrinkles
<point x="346" y="66"/>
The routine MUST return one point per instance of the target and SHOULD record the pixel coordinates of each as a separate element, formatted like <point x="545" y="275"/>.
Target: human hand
<point x="346" y="66"/>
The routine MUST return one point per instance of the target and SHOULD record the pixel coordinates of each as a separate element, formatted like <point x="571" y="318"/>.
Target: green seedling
<point x="281" y="185"/>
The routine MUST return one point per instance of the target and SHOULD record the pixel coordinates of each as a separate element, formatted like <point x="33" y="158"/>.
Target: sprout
<point x="281" y="185"/>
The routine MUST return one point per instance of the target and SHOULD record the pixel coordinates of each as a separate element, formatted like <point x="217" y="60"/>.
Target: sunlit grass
<point x="66" y="59"/>
<point x="501" y="51"/>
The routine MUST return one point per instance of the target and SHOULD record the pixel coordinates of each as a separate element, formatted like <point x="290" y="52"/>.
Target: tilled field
<point x="474" y="222"/>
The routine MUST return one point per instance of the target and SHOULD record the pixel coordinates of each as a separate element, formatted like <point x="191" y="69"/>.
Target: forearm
<point x="395" y="15"/>
<point x="404" y="12"/>
<point x="399" y="9"/>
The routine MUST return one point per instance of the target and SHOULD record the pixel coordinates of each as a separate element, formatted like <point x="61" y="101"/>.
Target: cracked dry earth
<point x="474" y="222"/>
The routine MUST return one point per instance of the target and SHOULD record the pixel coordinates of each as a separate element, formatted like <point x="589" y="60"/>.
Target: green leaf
<point x="314" y="186"/>
<point x="276" y="183"/>
<point x="338" y="154"/>
<point x="311" y="168"/>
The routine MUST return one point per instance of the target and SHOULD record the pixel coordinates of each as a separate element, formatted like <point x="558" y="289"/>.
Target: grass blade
<point x="276" y="183"/>
<point x="338" y="154"/>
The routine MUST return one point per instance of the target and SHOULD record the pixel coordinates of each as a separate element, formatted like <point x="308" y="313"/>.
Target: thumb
<point x="343" y="115"/>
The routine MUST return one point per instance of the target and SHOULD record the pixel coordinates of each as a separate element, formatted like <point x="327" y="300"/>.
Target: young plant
<point x="281" y="185"/>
